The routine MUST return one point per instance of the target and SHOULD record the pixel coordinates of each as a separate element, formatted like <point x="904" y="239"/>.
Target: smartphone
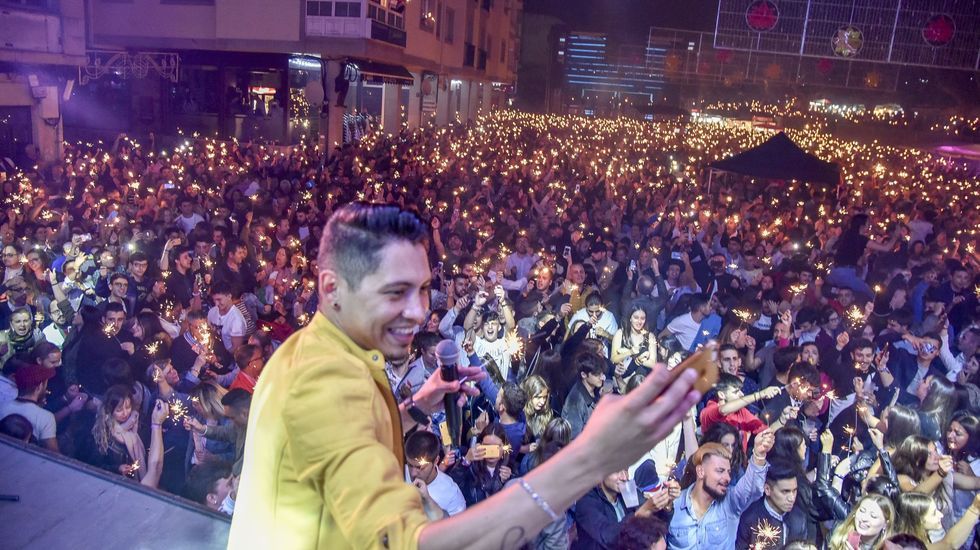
<point x="439" y="267"/>
<point x="568" y="251"/>
<point x="632" y="265"/>
<point x="490" y="451"/>
<point x="675" y="255"/>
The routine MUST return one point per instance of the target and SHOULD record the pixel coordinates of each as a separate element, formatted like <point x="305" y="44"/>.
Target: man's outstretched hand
<point x="623" y="427"/>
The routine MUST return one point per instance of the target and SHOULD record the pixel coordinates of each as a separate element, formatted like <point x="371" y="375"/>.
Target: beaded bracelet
<point x="541" y="502"/>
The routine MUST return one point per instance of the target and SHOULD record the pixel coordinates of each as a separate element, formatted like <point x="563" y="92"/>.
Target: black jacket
<point x="595" y="517"/>
<point x="792" y="527"/>
<point x="578" y="407"/>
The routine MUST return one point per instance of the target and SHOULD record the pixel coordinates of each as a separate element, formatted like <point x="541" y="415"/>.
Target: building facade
<point x="292" y="68"/>
<point x="42" y="44"/>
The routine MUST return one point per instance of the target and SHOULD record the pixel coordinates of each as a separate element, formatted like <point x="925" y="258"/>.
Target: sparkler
<point x="152" y="347"/>
<point x="767" y="533"/>
<point x="178" y="410"/>
<point x="134" y="467"/>
<point x="109" y="330"/>
<point x="855" y="316"/>
<point x="798" y="288"/>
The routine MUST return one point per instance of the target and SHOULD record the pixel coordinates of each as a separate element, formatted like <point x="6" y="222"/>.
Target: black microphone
<point x="448" y="356"/>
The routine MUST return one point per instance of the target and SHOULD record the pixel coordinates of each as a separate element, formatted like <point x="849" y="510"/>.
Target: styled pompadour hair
<point x="355" y="234"/>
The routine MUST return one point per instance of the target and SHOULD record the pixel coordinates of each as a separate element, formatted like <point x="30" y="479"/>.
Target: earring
<point x="336" y="306"/>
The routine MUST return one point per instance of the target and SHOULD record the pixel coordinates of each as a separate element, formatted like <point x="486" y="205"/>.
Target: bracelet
<point x="541" y="502"/>
<point x="205" y="430"/>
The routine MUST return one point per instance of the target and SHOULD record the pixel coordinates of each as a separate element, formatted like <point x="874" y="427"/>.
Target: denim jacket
<point x="717" y="528"/>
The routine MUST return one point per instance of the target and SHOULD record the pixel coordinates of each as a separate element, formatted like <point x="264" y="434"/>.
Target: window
<point x="316" y="7"/>
<point x="503" y="50"/>
<point x="347" y="9"/>
<point x="427" y="17"/>
<point x="450" y="15"/>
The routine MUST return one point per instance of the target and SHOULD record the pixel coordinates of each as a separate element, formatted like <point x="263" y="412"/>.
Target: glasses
<point x="9" y="254"/>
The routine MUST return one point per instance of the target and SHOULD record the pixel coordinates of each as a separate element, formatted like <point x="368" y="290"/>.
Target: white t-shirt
<point x="497" y="350"/>
<point x="188" y="224"/>
<point x="446" y="494"/>
<point x="231" y="324"/>
<point x="43" y="421"/>
<point x="53" y="334"/>
<point x="607" y="321"/>
<point x="685" y="328"/>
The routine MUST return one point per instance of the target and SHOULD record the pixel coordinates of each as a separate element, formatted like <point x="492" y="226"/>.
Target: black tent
<point x="780" y="159"/>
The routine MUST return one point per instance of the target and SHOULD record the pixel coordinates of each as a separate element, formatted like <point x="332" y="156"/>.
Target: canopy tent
<point x="780" y="159"/>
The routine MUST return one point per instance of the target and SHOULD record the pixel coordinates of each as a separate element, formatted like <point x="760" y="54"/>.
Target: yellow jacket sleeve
<point x="337" y="424"/>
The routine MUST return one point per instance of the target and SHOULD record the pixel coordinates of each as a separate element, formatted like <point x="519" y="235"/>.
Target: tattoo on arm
<point x="513" y="538"/>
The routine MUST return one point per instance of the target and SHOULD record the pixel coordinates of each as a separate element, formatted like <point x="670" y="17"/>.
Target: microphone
<point x="447" y="354"/>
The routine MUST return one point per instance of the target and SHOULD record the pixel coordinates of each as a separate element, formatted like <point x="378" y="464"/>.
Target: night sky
<point x="631" y="17"/>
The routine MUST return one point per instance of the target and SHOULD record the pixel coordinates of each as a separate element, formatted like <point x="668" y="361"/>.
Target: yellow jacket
<point x="324" y="462"/>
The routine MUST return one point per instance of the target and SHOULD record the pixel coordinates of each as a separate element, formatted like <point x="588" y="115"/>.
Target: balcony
<point x="391" y="35"/>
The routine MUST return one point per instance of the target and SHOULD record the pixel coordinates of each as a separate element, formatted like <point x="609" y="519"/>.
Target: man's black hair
<point x="202" y="478"/>
<point x="138" y="256"/>
<point x="238" y="399"/>
<point x="780" y="470"/>
<point x="113" y="307"/>
<point x="422" y="444"/>
<point x="589" y="362"/>
<point x="727" y="382"/>
<point x="355" y="234"/>
<point x="862" y="343"/>
<point x="783" y="358"/>
<point x="641" y="533"/>
<point x="513" y="398"/>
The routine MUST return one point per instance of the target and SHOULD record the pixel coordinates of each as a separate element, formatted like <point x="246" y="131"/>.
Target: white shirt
<point x="188" y="224"/>
<point x="607" y="321"/>
<point x="8" y="390"/>
<point x="54" y="335"/>
<point x="231" y="324"/>
<point x="685" y="328"/>
<point x="446" y="494"/>
<point x="523" y="263"/>
<point x="497" y="350"/>
<point x="43" y="421"/>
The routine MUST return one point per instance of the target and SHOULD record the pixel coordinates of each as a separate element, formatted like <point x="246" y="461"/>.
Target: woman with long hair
<point x="206" y="405"/>
<point x="922" y="469"/>
<point x="556" y="436"/>
<point x="870" y="521"/>
<point x="537" y="409"/>
<point x="895" y="425"/>
<point x="918" y="515"/>
<point x="937" y="403"/>
<point x="118" y="444"/>
<point x="490" y="465"/>
<point x="634" y="348"/>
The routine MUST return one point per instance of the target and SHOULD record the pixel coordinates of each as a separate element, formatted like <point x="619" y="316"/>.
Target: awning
<point x="374" y="71"/>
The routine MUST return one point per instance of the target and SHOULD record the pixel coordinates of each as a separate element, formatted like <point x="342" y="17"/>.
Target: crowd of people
<point x="143" y="290"/>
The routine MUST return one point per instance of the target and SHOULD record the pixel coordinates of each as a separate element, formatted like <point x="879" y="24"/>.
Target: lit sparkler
<point x="178" y="410"/>
<point x="767" y="534"/>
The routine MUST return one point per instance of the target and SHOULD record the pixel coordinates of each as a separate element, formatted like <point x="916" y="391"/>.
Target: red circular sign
<point x="762" y="15"/>
<point x="939" y="30"/>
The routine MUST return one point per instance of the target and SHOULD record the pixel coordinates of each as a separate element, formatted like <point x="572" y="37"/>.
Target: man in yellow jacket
<point x="324" y="462"/>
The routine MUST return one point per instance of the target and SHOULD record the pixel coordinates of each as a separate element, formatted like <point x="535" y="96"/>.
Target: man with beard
<point x="706" y="514"/>
<point x="61" y="315"/>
